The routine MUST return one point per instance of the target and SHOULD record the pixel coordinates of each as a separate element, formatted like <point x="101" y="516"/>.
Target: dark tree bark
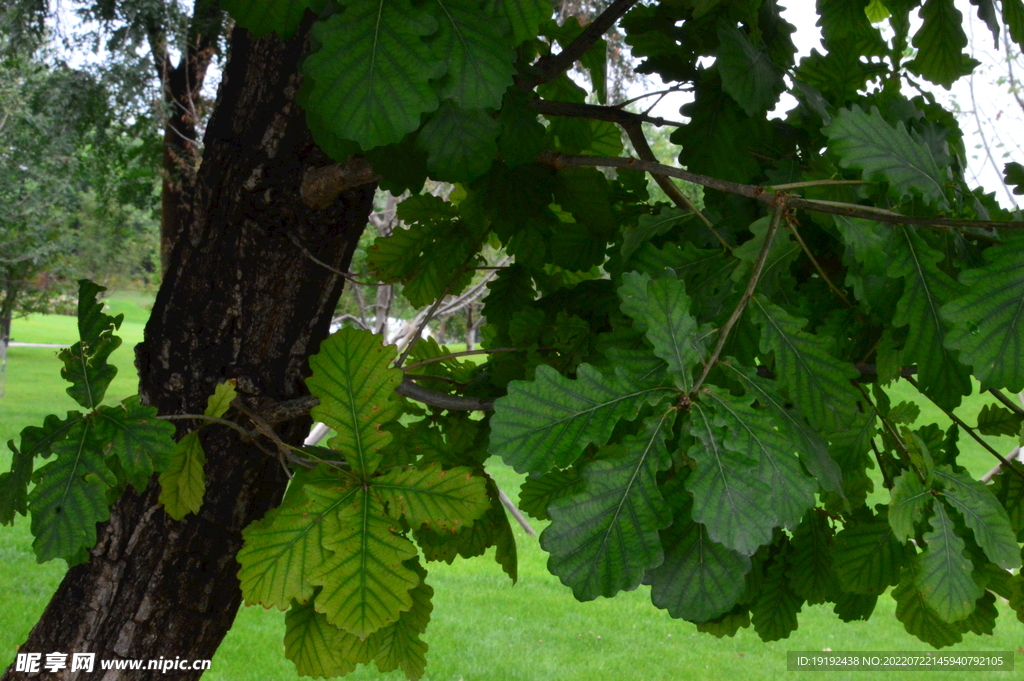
<point x="240" y="300"/>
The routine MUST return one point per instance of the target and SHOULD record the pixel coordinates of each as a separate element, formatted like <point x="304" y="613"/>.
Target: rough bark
<point x="240" y="300"/>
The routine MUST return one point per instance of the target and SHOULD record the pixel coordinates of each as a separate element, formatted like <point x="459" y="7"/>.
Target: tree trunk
<point x="240" y="300"/>
<point x="182" y="86"/>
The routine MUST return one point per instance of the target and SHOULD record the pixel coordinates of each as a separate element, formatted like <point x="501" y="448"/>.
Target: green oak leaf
<point x="86" y="368"/>
<point x="549" y="421"/>
<point x="925" y="289"/>
<point x="853" y="607"/>
<point x="182" y="482"/>
<point x="35" y="441"/>
<point x="940" y="42"/>
<point x="603" y="539"/>
<point x="525" y="16"/>
<point x="728" y="624"/>
<point x="1013" y="172"/>
<point x="774" y="612"/>
<point x="536" y="494"/>
<point x="917" y="618"/>
<point x="365" y="583"/>
<point x="491" y="529"/>
<point x="1013" y="15"/>
<point x="817" y="382"/>
<point x="729" y="497"/>
<point x="283" y="548"/>
<point x="444" y="499"/>
<point x="996" y="420"/>
<point x="142" y="443"/>
<point x="650" y="226"/>
<point x="261" y="17"/>
<point x="866" y="141"/>
<point x="1008" y="486"/>
<point x="983" y="513"/>
<point x="876" y="11"/>
<point x="868" y="557"/>
<point x="368" y="78"/>
<point x="987" y="317"/>
<point x="748" y="74"/>
<point x="475" y="52"/>
<point x="811" y="570"/>
<point x="318" y="648"/>
<point x="460" y="143"/>
<point x="353" y="380"/>
<point x="810" y="445"/>
<point x="908" y="504"/>
<point x="69" y="496"/>
<point x="664" y="314"/>
<point x="756" y="433"/>
<point x="944" y="571"/>
<point x="399" y="645"/>
<point x="93" y="324"/>
<point x="700" y="580"/>
<point x="219" y="402"/>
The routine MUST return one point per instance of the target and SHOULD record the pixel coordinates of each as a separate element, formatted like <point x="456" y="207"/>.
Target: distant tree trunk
<point x="181" y="86"/>
<point x="239" y="300"/>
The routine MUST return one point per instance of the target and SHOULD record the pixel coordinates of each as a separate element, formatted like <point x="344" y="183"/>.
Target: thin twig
<point x="958" y="421"/>
<point x="427" y="377"/>
<point x="457" y="354"/>
<point x="211" y="419"/>
<point x="347" y="275"/>
<point x="791" y="224"/>
<point x="596" y="112"/>
<point x="886" y="481"/>
<point x="675" y="88"/>
<point x="516" y="513"/>
<point x="816" y="183"/>
<point x="769" y="237"/>
<point x="998" y="394"/>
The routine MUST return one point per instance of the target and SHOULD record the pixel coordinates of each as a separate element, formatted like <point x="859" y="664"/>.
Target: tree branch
<point x="321" y="186"/>
<point x="636" y="135"/>
<point x="765" y="195"/>
<point x="284" y="411"/>
<point x="1015" y="408"/>
<point x="958" y="421"/>
<point x="553" y="65"/>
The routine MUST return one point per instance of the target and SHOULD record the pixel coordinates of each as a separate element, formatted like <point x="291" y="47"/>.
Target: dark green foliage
<point x="699" y="401"/>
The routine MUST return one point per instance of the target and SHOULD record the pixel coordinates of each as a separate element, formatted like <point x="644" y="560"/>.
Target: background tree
<point x="697" y="396"/>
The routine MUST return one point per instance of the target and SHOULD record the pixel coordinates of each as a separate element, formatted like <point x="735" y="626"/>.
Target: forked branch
<point x="723" y="335"/>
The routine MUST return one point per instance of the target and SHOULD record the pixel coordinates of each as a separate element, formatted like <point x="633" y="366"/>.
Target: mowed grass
<point x="482" y="626"/>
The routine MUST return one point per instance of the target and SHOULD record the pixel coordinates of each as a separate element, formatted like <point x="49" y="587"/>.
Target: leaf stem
<point x="958" y="421"/>
<point x="791" y="224"/>
<point x="769" y="237"/>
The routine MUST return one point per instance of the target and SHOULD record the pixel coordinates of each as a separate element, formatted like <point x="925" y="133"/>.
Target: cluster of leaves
<point x="699" y="409"/>
<point x="699" y="401"/>
<point x="96" y="454"/>
<point x="340" y="552"/>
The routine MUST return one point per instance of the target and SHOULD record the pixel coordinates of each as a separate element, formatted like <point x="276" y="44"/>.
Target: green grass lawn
<point x="482" y="627"/>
